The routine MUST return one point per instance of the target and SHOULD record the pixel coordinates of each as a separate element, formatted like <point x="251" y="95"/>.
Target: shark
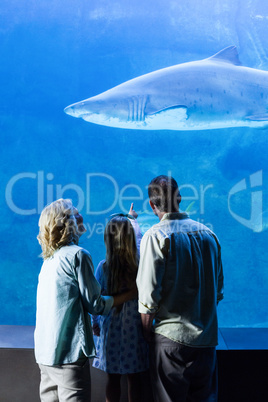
<point x="213" y="93"/>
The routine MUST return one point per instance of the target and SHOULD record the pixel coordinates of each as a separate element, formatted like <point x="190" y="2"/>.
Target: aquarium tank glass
<point x="208" y="129"/>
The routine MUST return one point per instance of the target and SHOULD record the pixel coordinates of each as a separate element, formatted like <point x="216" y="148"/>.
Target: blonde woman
<point x="67" y="292"/>
<point x="121" y="348"/>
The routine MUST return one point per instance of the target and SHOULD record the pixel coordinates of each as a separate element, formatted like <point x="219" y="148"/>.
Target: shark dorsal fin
<point x="227" y="55"/>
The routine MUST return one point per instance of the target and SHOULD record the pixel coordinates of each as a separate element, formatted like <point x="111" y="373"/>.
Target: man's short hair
<point x="164" y="193"/>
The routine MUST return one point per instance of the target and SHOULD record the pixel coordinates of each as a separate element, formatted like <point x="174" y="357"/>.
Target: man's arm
<point x="149" y="281"/>
<point x="220" y="279"/>
<point x="220" y="283"/>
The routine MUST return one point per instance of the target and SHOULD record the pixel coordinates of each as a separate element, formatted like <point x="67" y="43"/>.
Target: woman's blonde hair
<point x="57" y="227"/>
<point x="121" y="255"/>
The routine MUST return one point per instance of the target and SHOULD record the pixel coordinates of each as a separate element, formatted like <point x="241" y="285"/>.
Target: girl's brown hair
<point x="121" y="255"/>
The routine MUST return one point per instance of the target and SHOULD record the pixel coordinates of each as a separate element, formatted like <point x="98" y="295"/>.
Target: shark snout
<point x="69" y="110"/>
<point x="75" y="109"/>
<point x="84" y="108"/>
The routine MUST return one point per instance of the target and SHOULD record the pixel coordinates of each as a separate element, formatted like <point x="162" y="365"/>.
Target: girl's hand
<point x="132" y="212"/>
<point x="96" y="329"/>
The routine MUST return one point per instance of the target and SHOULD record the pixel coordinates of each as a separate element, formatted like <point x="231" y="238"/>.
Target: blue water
<point x="59" y="53"/>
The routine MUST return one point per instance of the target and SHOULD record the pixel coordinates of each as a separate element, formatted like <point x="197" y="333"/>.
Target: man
<point x="180" y="282"/>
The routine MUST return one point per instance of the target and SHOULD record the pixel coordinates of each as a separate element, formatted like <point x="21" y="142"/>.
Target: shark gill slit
<point x="141" y="102"/>
<point x="130" y="111"/>
<point x="136" y="109"/>
<point x="142" y="108"/>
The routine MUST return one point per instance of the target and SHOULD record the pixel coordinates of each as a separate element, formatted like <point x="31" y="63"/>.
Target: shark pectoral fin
<point x="174" y="112"/>
<point x="258" y="117"/>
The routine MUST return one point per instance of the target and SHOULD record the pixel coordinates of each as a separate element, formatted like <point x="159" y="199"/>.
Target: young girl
<point x="121" y="348"/>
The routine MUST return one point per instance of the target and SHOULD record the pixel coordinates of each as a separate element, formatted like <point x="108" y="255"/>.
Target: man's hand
<point x="147" y="320"/>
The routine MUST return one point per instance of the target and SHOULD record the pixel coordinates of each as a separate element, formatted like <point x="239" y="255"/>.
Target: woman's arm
<point x="124" y="297"/>
<point x="89" y="287"/>
<point x="96" y="318"/>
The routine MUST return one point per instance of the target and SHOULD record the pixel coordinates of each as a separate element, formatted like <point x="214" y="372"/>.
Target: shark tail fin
<point x="227" y="55"/>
